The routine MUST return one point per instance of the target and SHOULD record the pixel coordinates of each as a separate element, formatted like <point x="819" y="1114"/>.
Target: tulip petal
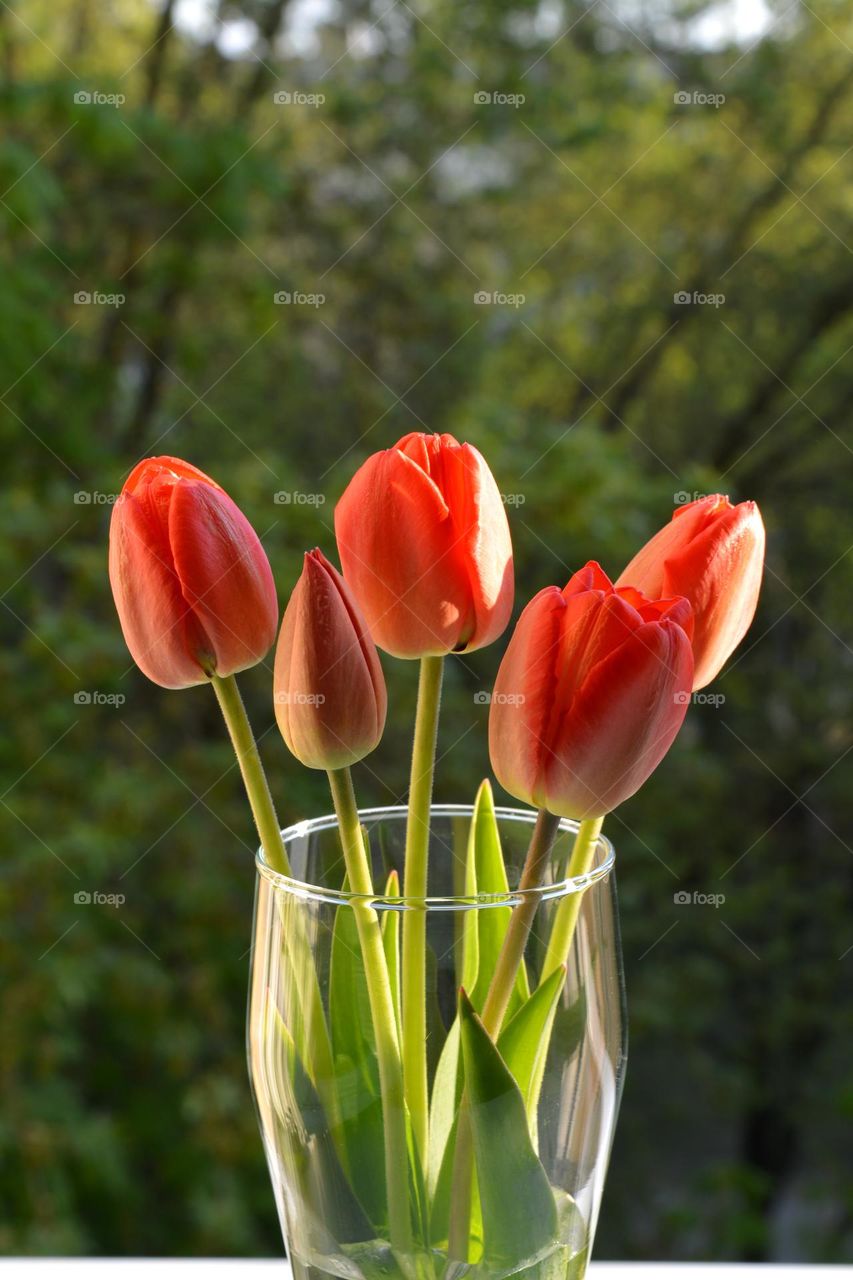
<point x="712" y="553"/>
<point x="482" y="544"/>
<point x="424" y="543"/>
<point x="151" y="470"/>
<point x="672" y="608"/>
<point x="723" y="566"/>
<point x="162" y="633"/>
<point x="395" y="539"/>
<point x="646" y="571"/>
<point x="590" y="578"/>
<point x="378" y="705"/>
<point x="224" y="574"/>
<point x="330" y="692"/>
<point x="622" y="723"/>
<point x="523" y="697"/>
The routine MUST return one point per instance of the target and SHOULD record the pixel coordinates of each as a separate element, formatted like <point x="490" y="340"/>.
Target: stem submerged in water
<point x="518" y="931"/>
<point x="313" y="1033"/>
<point x="565" y="918"/>
<point x="381" y="1010"/>
<point x="494" y="1009"/>
<point x="415" y="886"/>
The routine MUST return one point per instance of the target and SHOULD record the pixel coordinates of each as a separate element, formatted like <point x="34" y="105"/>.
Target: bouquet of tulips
<point x="590" y="694"/>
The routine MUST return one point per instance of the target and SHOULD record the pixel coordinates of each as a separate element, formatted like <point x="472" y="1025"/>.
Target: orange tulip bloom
<point x="330" y="699"/>
<point x="712" y="553"/>
<point x="590" y="695"/>
<point x="191" y="581"/>
<point x="424" y="544"/>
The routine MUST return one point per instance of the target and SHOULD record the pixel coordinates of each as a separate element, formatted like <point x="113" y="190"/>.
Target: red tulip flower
<point x="424" y="544"/>
<point x="191" y="581"/>
<point x="712" y="553"/>
<point x="591" y="692"/>
<point x="330" y="698"/>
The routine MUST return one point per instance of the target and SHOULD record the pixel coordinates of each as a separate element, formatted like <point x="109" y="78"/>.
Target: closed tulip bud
<point x="330" y="698"/>
<point x="713" y="554"/>
<point x="424" y="544"/>
<point x="590" y="695"/>
<point x="191" y="581"/>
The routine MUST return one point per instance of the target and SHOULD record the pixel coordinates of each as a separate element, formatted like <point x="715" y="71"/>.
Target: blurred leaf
<point x="525" y="1040"/>
<point x="486" y="874"/>
<point x="519" y="1213"/>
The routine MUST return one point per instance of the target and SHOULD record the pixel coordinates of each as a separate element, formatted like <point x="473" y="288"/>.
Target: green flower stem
<point x="565" y="918"/>
<point x="381" y="1010"/>
<point x="415" y="886"/>
<point x="257" y="787"/>
<point x="313" y="1036"/>
<point x="494" y="1009"/>
<point x="559" y="945"/>
<point x="518" y="931"/>
<point x="459" y="1230"/>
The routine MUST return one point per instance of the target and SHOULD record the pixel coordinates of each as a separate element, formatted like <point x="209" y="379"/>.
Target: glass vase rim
<point x="605" y="860"/>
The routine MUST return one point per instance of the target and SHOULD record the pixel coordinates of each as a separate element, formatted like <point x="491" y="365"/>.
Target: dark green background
<point x="126" y="1122"/>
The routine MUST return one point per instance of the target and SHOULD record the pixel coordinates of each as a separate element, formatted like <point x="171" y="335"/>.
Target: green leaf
<point x="351" y="1026"/>
<point x="518" y="1206"/>
<point x="524" y="1041"/>
<point x="483" y="932"/>
<point x="483" y="859"/>
<point x="434" y="1020"/>
<point x="324" y="1189"/>
<point x="418" y="1197"/>
<point x="488" y="875"/>
<point x="442" y="1198"/>
<point x="446" y="1092"/>
<point x="565" y="1034"/>
<point x="565" y="1029"/>
<point x="460" y="830"/>
<point x="356" y="1069"/>
<point x="391" y="944"/>
<point x="568" y="1260"/>
<point x="569" y="1027"/>
<point x="470" y="927"/>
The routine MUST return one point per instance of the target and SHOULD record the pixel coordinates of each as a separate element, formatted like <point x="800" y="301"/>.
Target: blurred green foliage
<point x="126" y="1122"/>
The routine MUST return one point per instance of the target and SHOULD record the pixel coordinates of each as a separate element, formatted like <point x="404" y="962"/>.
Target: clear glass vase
<point x="522" y="1195"/>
